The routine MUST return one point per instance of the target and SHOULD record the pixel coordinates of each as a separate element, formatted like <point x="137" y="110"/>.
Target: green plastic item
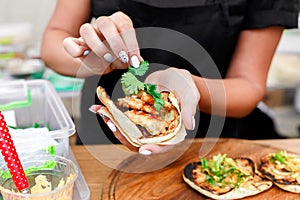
<point x="51" y="150"/>
<point x="65" y="83"/>
<point x="47" y="165"/>
<point x="18" y="104"/>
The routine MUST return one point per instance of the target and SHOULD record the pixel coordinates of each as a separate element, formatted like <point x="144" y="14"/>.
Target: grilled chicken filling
<point x="221" y="174"/>
<point x="282" y="167"/>
<point x="150" y="121"/>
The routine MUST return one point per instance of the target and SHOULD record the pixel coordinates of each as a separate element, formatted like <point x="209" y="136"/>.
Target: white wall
<point x="36" y="12"/>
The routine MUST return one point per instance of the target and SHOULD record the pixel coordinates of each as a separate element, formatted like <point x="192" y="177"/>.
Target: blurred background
<point x="21" y="28"/>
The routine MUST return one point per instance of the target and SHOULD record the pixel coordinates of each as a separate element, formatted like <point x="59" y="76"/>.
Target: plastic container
<point x="46" y="181"/>
<point x="36" y="102"/>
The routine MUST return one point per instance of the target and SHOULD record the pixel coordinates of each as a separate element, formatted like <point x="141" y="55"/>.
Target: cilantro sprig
<point x="131" y="84"/>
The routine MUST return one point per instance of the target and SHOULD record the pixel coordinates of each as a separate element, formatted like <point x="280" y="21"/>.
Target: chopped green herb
<point x="204" y="163"/>
<point x="219" y="168"/>
<point x="131" y="85"/>
<point x="280" y="156"/>
<point x="210" y="180"/>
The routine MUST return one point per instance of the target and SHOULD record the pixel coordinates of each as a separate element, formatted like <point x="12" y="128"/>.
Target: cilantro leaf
<point x="131" y="83"/>
<point x="158" y="101"/>
<point x="141" y="70"/>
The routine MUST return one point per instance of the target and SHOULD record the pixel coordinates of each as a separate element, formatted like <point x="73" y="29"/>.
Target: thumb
<point x="188" y="118"/>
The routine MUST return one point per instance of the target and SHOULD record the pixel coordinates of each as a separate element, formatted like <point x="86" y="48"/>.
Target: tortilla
<point x="132" y="132"/>
<point x="283" y="171"/>
<point x="252" y="185"/>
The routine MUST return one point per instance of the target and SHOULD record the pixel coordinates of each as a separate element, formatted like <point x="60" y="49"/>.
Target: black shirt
<point x="215" y="25"/>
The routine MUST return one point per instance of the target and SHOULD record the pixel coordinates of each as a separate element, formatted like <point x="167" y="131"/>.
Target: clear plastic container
<point x="36" y="101"/>
<point x="45" y="182"/>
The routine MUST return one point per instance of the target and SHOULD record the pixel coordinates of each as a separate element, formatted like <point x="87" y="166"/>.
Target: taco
<point x="138" y="120"/>
<point x="222" y="177"/>
<point x="283" y="169"/>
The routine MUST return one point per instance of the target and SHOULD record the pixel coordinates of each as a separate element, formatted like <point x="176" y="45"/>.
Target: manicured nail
<point x="92" y="110"/>
<point x="123" y="56"/>
<point x="193" y="122"/>
<point x="108" y="57"/>
<point x="146" y="152"/>
<point x="111" y="126"/>
<point x="135" y="62"/>
<point x="86" y="52"/>
<point x="101" y="115"/>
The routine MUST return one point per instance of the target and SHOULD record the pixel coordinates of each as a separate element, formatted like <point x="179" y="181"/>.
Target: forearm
<point x="233" y="97"/>
<point x="245" y="83"/>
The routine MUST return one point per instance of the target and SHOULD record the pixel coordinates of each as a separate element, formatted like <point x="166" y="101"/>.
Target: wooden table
<point x="97" y="161"/>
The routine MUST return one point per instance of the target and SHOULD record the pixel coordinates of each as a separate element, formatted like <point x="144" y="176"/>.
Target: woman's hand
<point x="147" y="149"/>
<point x="184" y="88"/>
<point x="180" y="82"/>
<point x="107" y="45"/>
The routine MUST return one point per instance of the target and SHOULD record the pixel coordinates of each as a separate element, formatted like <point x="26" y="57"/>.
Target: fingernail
<point x="101" y="115"/>
<point x="135" y="62"/>
<point x="123" y="56"/>
<point x="146" y="152"/>
<point x="86" y="52"/>
<point x="193" y="122"/>
<point x="111" y="126"/>
<point x="92" y="110"/>
<point x="108" y="57"/>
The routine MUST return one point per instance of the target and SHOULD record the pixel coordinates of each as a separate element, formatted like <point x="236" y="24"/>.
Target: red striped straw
<point x="11" y="157"/>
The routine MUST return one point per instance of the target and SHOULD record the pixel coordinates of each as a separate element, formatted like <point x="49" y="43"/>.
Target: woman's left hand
<point x="180" y="82"/>
<point x="185" y="89"/>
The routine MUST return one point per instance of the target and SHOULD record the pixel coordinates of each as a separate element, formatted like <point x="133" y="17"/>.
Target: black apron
<point x="214" y="24"/>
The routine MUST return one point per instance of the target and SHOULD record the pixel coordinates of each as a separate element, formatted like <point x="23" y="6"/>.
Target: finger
<point x="188" y="118"/>
<point x="125" y="27"/>
<point x="95" y="108"/>
<point x="75" y="46"/>
<point x="92" y="40"/>
<point x="113" y="128"/>
<point x="150" y="149"/>
<point x="108" y="29"/>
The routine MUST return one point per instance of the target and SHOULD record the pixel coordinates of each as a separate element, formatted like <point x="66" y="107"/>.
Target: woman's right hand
<point x="110" y="43"/>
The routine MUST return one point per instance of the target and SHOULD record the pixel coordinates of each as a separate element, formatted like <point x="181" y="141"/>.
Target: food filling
<point x="221" y="174"/>
<point x="284" y="167"/>
<point x="42" y="185"/>
<point x="140" y="110"/>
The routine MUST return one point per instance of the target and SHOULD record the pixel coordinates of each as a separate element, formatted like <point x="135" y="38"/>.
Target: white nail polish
<point x="135" y="62"/>
<point x="145" y="152"/>
<point x="108" y="57"/>
<point x="123" y="56"/>
<point x="193" y="122"/>
<point x="111" y="126"/>
<point x="86" y="52"/>
<point x="93" y="111"/>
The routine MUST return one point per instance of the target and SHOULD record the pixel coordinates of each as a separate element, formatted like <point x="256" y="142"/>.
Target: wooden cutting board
<point x="130" y="182"/>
